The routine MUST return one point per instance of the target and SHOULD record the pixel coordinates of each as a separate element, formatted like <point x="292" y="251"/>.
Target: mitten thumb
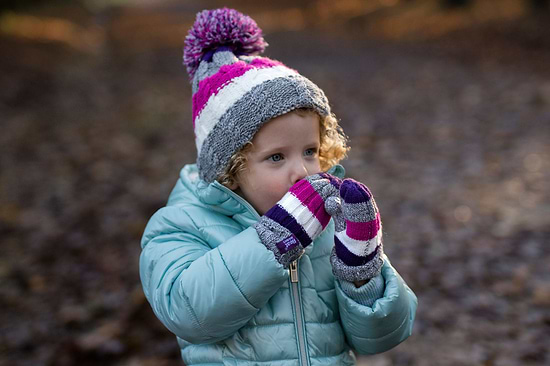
<point x="333" y="206"/>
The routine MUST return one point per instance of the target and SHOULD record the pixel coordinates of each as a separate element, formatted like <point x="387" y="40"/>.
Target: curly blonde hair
<point x="333" y="148"/>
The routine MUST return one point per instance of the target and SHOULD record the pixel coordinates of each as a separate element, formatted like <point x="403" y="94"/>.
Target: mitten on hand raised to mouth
<point x="298" y="218"/>
<point x="357" y="253"/>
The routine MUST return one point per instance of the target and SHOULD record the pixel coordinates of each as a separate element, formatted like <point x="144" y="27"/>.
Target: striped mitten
<point x="298" y="218"/>
<point x="357" y="253"/>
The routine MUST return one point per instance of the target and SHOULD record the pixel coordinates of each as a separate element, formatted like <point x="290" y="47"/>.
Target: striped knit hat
<point x="235" y="91"/>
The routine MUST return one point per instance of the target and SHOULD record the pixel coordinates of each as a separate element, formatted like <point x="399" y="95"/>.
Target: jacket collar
<point x="223" y="200"/>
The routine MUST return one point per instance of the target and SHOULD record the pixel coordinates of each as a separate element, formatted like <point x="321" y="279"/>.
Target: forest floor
<point x="448" y="114"/>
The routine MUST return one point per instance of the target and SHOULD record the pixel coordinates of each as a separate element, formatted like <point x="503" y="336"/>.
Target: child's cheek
<point x="275" y="189"/>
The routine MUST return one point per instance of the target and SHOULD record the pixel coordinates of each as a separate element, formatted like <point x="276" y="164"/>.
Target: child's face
<point x="285" y="150"/>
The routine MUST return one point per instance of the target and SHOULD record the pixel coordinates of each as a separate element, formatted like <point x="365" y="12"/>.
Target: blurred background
<point x="447" y="106"/>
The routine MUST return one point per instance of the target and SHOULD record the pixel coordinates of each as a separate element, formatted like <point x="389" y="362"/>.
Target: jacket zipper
<point x="295" y="293"/>
<point x="298" y="311"/>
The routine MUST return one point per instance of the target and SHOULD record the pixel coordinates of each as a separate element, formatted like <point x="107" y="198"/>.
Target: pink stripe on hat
<point x="213" y="84"/>
<point x="309" y="197"/>
<point x="363" y="230"/>
<point x="266" y="62"/>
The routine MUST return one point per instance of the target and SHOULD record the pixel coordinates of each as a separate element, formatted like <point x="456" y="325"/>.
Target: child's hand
<point x="298" y="218"/>
<point x="358" y="240"/>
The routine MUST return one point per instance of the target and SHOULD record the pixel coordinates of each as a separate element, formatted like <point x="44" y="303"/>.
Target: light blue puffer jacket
<point x="212" y="283"/>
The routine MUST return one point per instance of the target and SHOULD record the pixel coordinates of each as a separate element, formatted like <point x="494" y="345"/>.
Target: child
<point x="244" y="264"/>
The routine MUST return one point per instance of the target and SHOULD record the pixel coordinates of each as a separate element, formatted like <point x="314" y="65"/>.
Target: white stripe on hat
<point x="218" y="104"/>
<point x="360" y="248"/>
<point x="301" y="214"/>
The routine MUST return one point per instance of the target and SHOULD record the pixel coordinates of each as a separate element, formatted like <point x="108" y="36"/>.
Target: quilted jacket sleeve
<point x="387" y="323"/>
<point x="366" y="294"/>
<point x="201" y="294"/>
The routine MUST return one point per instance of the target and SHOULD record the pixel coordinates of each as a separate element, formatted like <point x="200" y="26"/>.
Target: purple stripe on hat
<point x="309" y="197"/>
<point x="210" y="54"/>
<point x="352" y="259"/>
<point x="283" y="218"/>
<point x="352" y="191"/>
<point x="213" y="84"/>
<point x="363" y="230"/>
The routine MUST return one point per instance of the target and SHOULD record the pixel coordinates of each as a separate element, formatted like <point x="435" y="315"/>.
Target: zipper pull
<point x="294" y="271"/>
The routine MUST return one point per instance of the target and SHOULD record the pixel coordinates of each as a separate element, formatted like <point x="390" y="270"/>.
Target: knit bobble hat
<point x="235" y="91"/>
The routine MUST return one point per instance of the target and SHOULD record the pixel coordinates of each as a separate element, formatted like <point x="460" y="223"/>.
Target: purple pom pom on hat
<point x="221" y="27"/>
<point x="235" y="91"/>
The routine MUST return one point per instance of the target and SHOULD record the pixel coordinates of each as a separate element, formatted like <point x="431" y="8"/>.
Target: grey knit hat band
<point x="245" y="117"/>
<point x="235" y="91"/>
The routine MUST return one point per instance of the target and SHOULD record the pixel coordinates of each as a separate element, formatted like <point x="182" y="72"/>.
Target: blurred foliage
<point x="455" y="3"/>
<point x="447" y="112"/>
<point x="541" y="5"/>
<point x="25" y="4"/>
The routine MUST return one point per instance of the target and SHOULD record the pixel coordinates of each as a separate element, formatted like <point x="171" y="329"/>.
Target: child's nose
<point x="299" y="171"/>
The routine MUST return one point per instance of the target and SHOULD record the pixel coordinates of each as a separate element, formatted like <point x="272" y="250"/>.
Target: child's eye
<point x="310" y="152"/>
<point x="275" y="158"/>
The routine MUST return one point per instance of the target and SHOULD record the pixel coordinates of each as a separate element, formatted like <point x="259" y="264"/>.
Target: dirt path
<point x="449" y="129"/>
